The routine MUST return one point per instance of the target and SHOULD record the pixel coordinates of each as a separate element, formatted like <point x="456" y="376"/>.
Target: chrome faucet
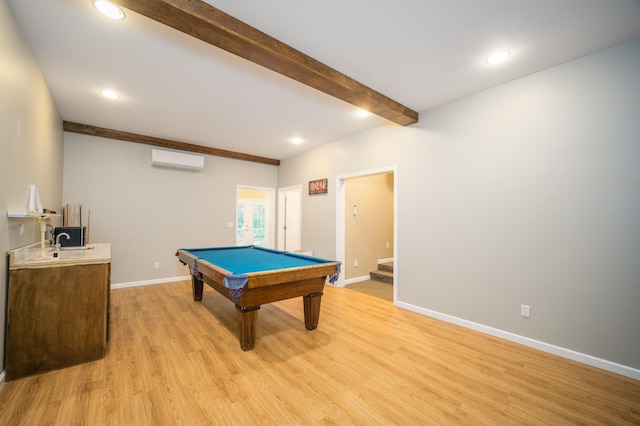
<point x="57" y="246"/>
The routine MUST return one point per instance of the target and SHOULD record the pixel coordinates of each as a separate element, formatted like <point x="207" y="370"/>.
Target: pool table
<point x="251" y="276"/>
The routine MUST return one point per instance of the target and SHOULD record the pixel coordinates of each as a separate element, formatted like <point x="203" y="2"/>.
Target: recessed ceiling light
<point x="498" y="57"/>
<point x="111" y="94"/>
<point x="108" y="9"/>
<point x="296" y="141"/>
<point x="361" y="113"/>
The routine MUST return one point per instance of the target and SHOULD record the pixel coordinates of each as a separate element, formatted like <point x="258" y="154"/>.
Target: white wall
<point x="527" y="193"/>
<point x="30" y="145"/>
<point x="146" y="212"/>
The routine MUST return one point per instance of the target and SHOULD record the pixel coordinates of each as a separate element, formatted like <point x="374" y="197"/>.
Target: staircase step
<point x="387" y="267"/>
<point x="383" y="276"/>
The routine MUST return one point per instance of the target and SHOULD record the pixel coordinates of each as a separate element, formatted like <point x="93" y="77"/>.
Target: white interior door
<point x="289" y="219"/>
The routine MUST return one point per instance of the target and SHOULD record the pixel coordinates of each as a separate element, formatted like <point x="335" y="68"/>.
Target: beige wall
<point x="30" y="145"/>
<point x="368" y="232"/>
<point x="146" y="212"/>
<point x="527" y="193"/>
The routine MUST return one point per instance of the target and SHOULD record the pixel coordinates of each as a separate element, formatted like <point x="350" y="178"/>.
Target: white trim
<point x="340" y="226"/>
<point x="532" y="343"/>
<point x="385" y="260"/>
<point x="149" y="282"/>
<point x="2" y="377"/>
<point x="356" y="280"/>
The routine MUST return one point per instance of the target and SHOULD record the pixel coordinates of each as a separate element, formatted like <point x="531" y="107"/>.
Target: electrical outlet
<point x="355" y="263"/>
<point x="387" y="245"/>
<point x="525" y="311"/>
<point x="156" y="264"/>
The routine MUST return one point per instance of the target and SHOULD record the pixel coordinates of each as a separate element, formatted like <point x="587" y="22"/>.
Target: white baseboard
<point x="357" y="279"/>
<point x="149" y="282"/>
<point x="389" y="260"/>
<point x="536" y="344"/>
<point x="2" y="378"/>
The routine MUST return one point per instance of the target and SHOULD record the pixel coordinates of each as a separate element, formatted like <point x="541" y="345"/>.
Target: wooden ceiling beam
<point x="86" y="129"/>
<point x="203" y="21"/>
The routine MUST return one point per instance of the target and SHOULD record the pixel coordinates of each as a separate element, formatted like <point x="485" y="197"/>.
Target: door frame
<point x="341" y="219"/>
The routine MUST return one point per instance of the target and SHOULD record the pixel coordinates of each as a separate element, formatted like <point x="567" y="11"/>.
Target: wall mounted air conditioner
<point x="176" y="160"/>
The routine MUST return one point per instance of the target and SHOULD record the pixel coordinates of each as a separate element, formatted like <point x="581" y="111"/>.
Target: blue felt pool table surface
<point x="248" y="259"/>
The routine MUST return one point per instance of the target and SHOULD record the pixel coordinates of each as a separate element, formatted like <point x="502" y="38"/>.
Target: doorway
<point x="345" y="213"/>
<point x="254" y="216"/>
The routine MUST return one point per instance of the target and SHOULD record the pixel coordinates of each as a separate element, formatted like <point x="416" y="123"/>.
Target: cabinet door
<point x="56" y="317"/>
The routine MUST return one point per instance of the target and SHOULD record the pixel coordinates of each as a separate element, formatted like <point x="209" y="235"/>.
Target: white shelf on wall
<point x="20" y="214"/>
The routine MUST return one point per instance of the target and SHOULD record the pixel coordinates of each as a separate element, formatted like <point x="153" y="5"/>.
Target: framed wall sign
<point x="319" y="186"/>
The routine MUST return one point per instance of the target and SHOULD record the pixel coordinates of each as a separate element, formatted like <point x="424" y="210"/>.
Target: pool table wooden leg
<point x="196" y="286"/>
<point x="312" y="310"/>
<point x="248" y="319"/>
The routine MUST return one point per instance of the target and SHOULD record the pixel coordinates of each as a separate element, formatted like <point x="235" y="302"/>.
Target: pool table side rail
<point x="299" y="273"/>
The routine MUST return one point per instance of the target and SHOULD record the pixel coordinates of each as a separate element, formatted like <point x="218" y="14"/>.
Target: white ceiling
<point x="421" y="53"/>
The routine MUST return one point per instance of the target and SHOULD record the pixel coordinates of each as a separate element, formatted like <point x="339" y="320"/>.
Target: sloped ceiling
<point x="419" y="53"/>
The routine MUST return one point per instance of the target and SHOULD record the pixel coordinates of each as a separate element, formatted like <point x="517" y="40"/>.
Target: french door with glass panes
<point x="252" y="223"/>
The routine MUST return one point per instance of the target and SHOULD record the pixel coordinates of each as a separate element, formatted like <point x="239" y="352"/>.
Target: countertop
<point x="34" y="257"/>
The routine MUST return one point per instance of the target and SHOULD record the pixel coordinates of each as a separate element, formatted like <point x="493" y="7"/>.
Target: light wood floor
<point x="172" y="361"/>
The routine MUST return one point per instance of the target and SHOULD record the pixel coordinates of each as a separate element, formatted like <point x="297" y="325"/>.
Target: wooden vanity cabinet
<point x="56" y="317"/>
